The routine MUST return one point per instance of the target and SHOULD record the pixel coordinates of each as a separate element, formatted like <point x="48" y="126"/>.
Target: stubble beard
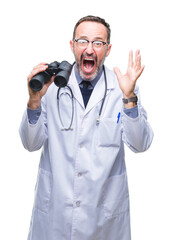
<point x="97" y="71"/>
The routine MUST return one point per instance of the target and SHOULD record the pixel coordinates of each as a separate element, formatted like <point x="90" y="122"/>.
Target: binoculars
<point x="61" y="71"/>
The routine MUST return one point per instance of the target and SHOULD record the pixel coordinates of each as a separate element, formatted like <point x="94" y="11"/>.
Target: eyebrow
<point x="96" y="38"/>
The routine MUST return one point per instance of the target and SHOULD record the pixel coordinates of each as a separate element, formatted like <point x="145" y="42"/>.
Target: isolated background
<point x="34" y="31"/>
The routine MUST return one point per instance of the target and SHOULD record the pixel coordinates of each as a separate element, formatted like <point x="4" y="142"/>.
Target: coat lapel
<point x="98" y="92"/>
<point x="73" y="84"/>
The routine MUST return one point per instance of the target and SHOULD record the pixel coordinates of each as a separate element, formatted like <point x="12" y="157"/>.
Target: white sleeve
<point x="137" y="133"/>
<point x="33" y="136"/>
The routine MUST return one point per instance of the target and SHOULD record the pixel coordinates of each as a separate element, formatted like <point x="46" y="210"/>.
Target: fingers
<point x="137" y="53"/>
<point x="138" y="68"/>
<point x="137" y="60"/>
<point x="141" y="70"/>
<point x="130" y="63"/>
<point x="117" y="72"/>
<point x="39" y="68"/>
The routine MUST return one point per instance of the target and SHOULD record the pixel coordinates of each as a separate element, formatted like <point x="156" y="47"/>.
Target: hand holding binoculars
<point x="61" y="71"/>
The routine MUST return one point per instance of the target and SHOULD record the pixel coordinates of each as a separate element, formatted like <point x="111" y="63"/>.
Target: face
<point x="90" y="59"/>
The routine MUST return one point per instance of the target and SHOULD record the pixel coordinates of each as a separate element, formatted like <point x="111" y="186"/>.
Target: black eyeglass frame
<point x="104" y="43"/>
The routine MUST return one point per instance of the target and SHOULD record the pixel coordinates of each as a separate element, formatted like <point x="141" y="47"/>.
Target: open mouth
<point x="88" y="65"/>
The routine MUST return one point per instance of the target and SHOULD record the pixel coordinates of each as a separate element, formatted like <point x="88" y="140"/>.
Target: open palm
<point x="127" y="82"/>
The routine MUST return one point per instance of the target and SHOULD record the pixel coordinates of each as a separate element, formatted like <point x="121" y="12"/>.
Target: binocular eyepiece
<point x="61" y="71"/>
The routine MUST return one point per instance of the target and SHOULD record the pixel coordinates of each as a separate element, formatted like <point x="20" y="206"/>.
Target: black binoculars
<point x="61" y="71"/>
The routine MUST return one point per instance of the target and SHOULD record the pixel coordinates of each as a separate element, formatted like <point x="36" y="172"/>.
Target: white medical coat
<point x="82" y="190"/>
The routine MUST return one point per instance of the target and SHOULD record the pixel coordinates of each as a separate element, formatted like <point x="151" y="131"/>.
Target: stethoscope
<point x="72" y="104"/>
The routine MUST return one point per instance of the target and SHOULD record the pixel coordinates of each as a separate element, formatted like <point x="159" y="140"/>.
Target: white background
<point x="33" y="31"/>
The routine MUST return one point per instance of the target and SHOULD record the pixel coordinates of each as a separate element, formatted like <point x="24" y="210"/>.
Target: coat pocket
<point x="109" y="133"/>
<point x="116" y="196"/>
<point x="43" y="190"/>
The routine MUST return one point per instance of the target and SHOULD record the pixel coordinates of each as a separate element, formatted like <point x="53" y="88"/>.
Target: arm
<point x="137" y="133"/>
<point x="34" y="134"/>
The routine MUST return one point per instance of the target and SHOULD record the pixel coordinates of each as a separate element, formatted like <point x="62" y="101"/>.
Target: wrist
<point x="129" y="95"/>
<point x="34" y="103"/>
<point x="130" y="105"/>
<point x="130" y="102"/>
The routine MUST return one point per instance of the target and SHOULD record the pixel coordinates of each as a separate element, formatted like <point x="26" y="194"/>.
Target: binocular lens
<point x="35" y="85"/>
<point x="61" y="71"/>
<point x="38" y="81"/>
<point x="61" y="79"/>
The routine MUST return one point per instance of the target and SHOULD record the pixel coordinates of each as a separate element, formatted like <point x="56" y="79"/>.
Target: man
<point x="82" y="190"/>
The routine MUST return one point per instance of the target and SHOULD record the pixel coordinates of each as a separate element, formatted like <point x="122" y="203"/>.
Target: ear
<point x="71" y="45"/>
<point x="108" y="49"/>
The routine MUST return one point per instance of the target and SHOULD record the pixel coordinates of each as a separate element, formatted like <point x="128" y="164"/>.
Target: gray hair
<point x="91" y="18"/>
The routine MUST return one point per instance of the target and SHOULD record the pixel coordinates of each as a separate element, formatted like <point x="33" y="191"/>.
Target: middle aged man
<point x="82" y="191"/>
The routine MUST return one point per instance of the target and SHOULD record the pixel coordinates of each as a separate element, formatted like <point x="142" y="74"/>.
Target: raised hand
<point x="127" y="82"/>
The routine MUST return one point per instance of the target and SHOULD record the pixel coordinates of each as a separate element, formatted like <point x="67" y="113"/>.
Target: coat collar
<point x="98" y="92"/>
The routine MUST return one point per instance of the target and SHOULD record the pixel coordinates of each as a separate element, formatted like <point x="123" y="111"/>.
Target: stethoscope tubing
<point x="72" y="97"/>
<point x="104" y="97"/>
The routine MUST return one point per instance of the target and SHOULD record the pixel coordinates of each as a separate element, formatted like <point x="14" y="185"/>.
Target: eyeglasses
<point x="83" y="43"/>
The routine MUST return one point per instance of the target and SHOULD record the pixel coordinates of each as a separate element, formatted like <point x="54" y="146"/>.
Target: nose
<point x="89" y="50"/>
